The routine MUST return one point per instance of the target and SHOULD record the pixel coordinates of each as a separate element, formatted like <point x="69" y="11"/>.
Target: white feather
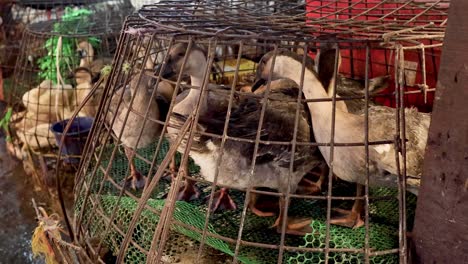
<point x="383" y="149"/>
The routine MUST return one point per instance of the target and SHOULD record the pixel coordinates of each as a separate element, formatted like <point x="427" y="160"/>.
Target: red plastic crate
<point x="354" y="15"/>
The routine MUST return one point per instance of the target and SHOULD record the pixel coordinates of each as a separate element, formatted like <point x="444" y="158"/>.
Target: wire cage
<point x="59" y="61"/>
<point x="18" y="14"/>
<point x="268" y="131"/>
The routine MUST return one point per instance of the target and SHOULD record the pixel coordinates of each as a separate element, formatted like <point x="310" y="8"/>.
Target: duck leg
<point x="172" y="170"/>
<point x="135" y="180"/>
<point x="189" y="191"/>
<point x="222" y="201"/>
<point x="307" y="186"/>
<point x="294" y="226"/>
<point x="254" y="209"/>
<point x="350" y="218"/>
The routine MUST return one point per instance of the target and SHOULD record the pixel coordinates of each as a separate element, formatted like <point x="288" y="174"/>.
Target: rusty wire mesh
<point x="397" y="40"/>
<point x="50" y="80"/>
<point x="18" y="14"/>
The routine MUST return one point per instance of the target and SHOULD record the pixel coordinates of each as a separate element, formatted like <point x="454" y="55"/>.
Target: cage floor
<point x="383" y="213"/>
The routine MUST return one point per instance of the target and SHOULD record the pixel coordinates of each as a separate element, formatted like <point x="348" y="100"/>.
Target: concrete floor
<point x="16" y="211"/>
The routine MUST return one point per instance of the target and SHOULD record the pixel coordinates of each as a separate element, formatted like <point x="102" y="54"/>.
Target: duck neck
<point x="88" y="59"/>
<point x="141" y="94"/>
<point x="313" y="89"/>
<point x="195" y="92"/>
<point x="321" y="112"/>
<point x="188" y="104"/>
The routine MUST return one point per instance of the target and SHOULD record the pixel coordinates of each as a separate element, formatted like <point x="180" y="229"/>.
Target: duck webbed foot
<point x="349" y="218"/>
<point x="222" y="201"/>
<point x="136" y="181"/>
<point x="171" y="175"/>
<point x="189" y="191"/>
<point x="253" y="206"/>
<point x="309" y="187"/>
<point x="294" y="225"/>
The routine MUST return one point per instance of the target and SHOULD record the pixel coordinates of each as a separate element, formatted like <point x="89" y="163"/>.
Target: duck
<point x="83" y="79"/>
<point x="50" y="101"/>
<point x="185" y="104"/>
<point x="349" y="163"/>
<point x="345" y="87"/>
<point x="306" y="186"/>
<point x="87" y="55"/>
<point x="140" y="88"/>
<point x="37" y="137"/>
<point x="272" y="160"/>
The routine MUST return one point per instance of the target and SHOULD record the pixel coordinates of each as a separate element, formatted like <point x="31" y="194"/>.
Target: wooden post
<point x="441" y="225"/>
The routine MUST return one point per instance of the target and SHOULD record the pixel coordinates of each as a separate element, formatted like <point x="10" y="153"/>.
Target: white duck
<point x="349" y="163"/>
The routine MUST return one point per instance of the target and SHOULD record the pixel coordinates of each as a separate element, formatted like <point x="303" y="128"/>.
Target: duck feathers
<point x="135" y="119"/>
<point x="272" y="160"/>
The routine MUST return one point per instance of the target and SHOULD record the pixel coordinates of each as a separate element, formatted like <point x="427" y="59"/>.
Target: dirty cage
<point x="237" y="130"/>
<point x="59" y="60"/>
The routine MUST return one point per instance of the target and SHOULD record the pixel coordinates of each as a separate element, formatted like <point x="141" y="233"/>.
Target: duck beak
<point x="167" y="73"/>
<point x="258" y="83"/>
<point x="71" y="75"/>
<point x="80" y="54"/>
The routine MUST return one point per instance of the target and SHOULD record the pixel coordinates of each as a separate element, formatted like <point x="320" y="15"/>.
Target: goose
<point x="349" y="163"/>
<point x="141" y="90"/>
<point x="272" y="160"/>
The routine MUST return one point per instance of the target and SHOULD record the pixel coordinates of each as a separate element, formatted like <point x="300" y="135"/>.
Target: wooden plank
<point x="441" y="225"/>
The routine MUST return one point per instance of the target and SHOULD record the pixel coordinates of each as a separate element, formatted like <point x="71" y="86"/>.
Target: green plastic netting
<point x="383" y="213"/>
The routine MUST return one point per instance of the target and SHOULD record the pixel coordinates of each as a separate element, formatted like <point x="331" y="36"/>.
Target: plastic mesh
<point x="383" y="220"/>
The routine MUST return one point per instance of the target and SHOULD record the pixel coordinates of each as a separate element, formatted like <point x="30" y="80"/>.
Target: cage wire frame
<point x="18" y="14"/>
<point x="102" y="27"/>
<point x="218" y="23"/>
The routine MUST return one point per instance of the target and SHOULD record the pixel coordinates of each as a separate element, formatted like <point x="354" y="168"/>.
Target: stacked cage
<point x="59" y="61"/>
<point x="261" y="132"/>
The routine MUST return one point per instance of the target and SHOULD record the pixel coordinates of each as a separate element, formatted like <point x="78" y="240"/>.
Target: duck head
<point x="287" y="63"/>
<point x="86" y="53"/>
<point x="195" y="61"/>
<point x="276" y="64"/>
<point x="261" y="85"/>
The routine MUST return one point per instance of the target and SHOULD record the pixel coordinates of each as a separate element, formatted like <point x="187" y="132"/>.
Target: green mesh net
<point x="384" y="218"/>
